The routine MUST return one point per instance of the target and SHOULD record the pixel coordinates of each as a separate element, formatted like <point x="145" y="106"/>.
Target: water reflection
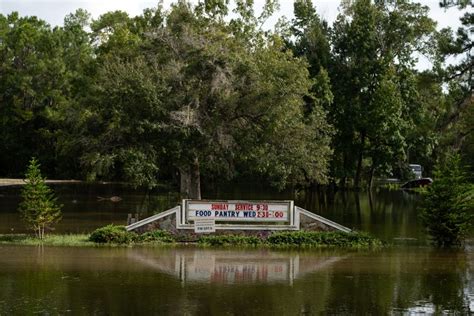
<point x="85" y="208"/>
<point x="386" y="214"/>
<point x="228" y="267"/>
<point x="111" y="281"/>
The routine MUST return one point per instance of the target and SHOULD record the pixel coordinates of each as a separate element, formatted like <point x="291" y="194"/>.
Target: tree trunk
<point x="357" y="204"/>
<point x="190" y="186"/>
<point x="371" y="177"/>
<point x="185" y="181"/>
<point x="342" y="182"/>
<point x="371" y="202"/>
<point x="38" y="231"/>
<point x="359" y="163"/>
<point x="343" y="179"/>
<point x="358" y="171"/>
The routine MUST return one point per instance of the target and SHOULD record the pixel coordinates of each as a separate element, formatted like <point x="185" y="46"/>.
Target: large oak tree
<point x="205" y="95"/>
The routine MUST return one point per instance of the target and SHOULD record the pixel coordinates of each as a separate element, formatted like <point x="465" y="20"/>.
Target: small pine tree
<point x="39" y="208"/>
<point x="447" y="209"/>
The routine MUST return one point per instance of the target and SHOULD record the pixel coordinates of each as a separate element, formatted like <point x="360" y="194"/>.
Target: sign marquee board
<point x="209" y="216"/>
<point x="235" y="212"/>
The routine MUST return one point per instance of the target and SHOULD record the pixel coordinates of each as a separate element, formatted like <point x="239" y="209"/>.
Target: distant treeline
<point x="193" y="90"/>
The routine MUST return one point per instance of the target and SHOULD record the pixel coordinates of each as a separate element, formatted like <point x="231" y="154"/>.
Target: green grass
<point x="73" y="240"/>
<point x="76" y="240"/>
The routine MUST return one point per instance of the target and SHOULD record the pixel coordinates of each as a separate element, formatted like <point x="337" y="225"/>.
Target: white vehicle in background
<point x="417" y="170"/>
<point x="418" y="180"/>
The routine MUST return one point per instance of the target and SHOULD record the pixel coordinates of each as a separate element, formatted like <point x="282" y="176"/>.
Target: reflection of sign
<point x="235" y="268"/>
<point x="226" y="273"/>
<point x="204" y="225"/>
<point x="229" y="267"/>
<point x="238" y="211"/>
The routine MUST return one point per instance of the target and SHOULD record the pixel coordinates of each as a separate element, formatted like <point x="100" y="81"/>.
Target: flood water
<point x="386" y="214"/>
<point x="157" y="281"/>
<point x="410" y="278"/>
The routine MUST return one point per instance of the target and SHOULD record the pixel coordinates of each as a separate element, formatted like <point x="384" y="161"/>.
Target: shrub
<point x="229" y="240"/>
<point x="448" y="204"/>
<point x="156" y="236"/>
<point x="311" y="239"/>
<point x="112" y="234"/>
<point x="296" y="239"/>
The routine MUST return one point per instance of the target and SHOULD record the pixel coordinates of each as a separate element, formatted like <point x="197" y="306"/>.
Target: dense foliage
<point x="448" y="208"/>
<point x="296" y="239"/>
<point x="112" y="234"/>
<point x="321" y="239"/>
<point x="39" y="207"/>
<point x="156" y="236"/>
<point x="230" y="240"/>
<point x="117" y="234"/>
<point x="198" y="90"/>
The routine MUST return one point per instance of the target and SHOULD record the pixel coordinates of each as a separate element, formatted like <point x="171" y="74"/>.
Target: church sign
<point x="239" y="211"/>
<point x="248" y="217"/>
<point x="228" y="214"/>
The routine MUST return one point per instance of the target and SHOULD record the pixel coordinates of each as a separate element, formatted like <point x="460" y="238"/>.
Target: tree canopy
<point x="194" y="92"/>
<point x="204" y="90"/>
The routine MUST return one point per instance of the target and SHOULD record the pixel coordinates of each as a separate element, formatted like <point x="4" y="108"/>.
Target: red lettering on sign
<point x="243" y="207"/>
<point x="221" y="207"/>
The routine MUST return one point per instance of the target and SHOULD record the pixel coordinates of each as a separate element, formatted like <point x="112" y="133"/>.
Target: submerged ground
<point x="110" y="281"/>
<point x="407" y="279"/>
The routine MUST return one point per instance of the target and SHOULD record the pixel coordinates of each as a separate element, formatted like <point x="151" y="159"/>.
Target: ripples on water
<point x="244" y="282"/>
<point x="386" y="214"/>
<point x="408" y="279"/>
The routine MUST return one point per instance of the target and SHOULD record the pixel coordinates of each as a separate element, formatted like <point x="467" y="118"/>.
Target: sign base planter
<point x="223" y="217"/>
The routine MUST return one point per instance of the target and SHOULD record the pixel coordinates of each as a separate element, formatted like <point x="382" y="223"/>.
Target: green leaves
<point x="371" y="71"/>
<point x="38" y="69"/>
<point x="307" y="239"/>
<point x="138" y="98"/>
<point x="198" y="96"/>
<point x="448" y="206"/>
<point x="39" y="208"/>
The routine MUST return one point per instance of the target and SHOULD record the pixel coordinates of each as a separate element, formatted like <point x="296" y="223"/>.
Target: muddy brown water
<point x="408" y="279"/>
<point x="386" y="214"/>
<point x="154" y="281"/>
